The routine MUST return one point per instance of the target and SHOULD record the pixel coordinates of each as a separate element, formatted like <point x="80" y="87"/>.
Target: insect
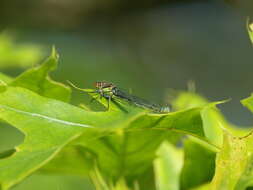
<point x="109" y="91"/>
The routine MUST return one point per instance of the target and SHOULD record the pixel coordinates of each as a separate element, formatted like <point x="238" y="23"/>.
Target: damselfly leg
<point x="103" y="91"/>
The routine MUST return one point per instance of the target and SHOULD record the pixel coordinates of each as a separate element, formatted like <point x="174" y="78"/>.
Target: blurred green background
<point x="146" y="46"/>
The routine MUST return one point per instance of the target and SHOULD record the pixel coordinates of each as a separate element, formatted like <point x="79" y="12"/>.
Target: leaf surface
<point x="200" y="159"/>
<point x="37" y="80"/>
<point x="168" y="165"/>
<point x="17" y="55"/>
<point x="120" y="143"/>
<point x="234" y="162"/>
<point x="5" y="78"/>
<point x="250" y="29"/>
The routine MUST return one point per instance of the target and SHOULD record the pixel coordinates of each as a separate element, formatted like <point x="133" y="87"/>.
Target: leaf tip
<point x="249" y="25"/>
<point x="54" y="53"/>
<point x="246" y="102"/>
<point x="219" y="102"/>
<point x="81" y="89"/>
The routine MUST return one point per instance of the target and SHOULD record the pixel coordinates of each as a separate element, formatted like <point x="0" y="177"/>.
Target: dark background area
<point x="146" y="46"/>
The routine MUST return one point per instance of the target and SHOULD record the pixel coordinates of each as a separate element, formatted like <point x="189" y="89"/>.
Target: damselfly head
<point x="102" y="85"/>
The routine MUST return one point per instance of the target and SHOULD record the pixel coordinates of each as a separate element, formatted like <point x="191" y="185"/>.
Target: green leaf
<point x="168" y="166"/>
<point x="130" y="152"/>
<point x="49" y="125"/>
<point x="4" y="78"/>
<point x="7" y="153"/>
<point x="37" y="80"/>
<point x="248" y="102"/>
<point x="17" y="55"/>
<point x="213" y="118"/>
<point x="234" y="161"/>
<point x="250" y="29"/>
<point x="198" y="159"/>
<point x="120" y="142"/>
<point x="231" y="163"/>
<point x="213" y="122"/>
<point x="74" y="160"/>
<point x="185" y="100"/>
<point x="202" y="187"/>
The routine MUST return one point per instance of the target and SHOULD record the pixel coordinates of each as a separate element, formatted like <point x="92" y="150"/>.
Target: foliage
<point x="125" y="147"/>
<point x="21" y="55"/>
<point x="250" y="28"/>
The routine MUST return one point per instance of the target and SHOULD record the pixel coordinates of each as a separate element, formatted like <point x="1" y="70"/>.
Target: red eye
<point x="103" y="84"/>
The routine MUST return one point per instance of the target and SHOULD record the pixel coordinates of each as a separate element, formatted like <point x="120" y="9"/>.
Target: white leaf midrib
<point x="46" y="117"/>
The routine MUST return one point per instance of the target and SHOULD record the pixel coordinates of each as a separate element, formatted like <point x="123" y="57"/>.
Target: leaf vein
<point x="46" y="117"/>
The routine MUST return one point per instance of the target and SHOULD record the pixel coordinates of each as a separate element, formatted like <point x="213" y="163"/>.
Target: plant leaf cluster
<point x="125" y="147"/>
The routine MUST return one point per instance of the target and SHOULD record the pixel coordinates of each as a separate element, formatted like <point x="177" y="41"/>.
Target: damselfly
<point x="110" y="91"/>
